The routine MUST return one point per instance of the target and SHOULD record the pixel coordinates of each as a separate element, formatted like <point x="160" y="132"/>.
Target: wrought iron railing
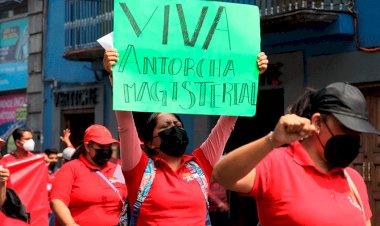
<point x="277" y="7"/>
<point x="86" y="21"/>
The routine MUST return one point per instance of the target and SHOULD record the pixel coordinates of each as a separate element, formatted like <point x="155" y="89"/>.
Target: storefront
<point x="13" y="69"/>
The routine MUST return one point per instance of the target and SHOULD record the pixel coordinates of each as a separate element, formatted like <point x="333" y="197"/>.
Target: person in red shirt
<point x="307" y="181"/>
<point x="24" y="142"/>
<point x="219" y="206"/>
<point x="175" y="196"/>
<point x="85" y="190"/>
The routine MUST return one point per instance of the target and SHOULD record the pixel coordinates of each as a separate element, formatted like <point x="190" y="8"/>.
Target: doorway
<point x="270" y="107"/>
<point x="368" y="161"/>
<point x="77" y="121"/>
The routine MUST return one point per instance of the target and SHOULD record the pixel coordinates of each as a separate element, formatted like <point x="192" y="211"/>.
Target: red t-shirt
<point x="13" y="157"/>
<point x="90" y="199"/>
<point x="291" y="190"/>
<point x="178" y="198"/>
<point x="8" y="221"/>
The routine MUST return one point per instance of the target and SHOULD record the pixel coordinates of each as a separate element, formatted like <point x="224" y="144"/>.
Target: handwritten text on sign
<point x="193" y="57"/>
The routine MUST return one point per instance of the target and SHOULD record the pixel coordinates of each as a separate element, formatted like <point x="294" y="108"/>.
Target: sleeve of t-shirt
<point x="203" y="163"/>
<point x="362" y="189"/>
<point x="215" y="143"/>
<point x="264" y="169"/>
<point x="63" y="183"/>
<point x="130" y="149"/>
<point x="134" y="176"/>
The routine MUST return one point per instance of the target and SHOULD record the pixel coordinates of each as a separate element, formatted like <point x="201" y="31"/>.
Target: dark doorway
<point x="270" y="107"/>
<point x="77" y="122"/>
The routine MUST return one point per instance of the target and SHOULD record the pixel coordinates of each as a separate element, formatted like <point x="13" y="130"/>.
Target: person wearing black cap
<point x="299" y="173"/>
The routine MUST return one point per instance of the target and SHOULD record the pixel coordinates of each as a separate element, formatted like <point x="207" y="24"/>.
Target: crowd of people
<point x="299" y="173"/>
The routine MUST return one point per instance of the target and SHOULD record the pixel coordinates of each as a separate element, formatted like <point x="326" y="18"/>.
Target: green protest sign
<point x="181" y="56"/>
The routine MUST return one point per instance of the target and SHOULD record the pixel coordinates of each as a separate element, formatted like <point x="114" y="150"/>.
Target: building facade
<point x="58" y="82"/>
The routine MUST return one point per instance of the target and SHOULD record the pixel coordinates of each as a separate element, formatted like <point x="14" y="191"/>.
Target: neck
<point x="173" y="162"/>
<point x="21" y="153"/>
<point x="312" y="147"/>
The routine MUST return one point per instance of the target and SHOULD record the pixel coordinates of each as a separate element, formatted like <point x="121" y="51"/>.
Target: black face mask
<point x="52" y="166"/>
<point x="341" y="150"/>
<point x="173" y="141"/>
<point x="102" y="156"/>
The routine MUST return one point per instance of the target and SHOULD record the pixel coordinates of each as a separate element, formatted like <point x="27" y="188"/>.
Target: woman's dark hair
<point x="147" y="133"/>
<point x="303" y="106"/>
<point x="78" y="152"/>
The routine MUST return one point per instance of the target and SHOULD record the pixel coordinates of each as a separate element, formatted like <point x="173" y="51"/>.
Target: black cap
<point x="347" y="104"/>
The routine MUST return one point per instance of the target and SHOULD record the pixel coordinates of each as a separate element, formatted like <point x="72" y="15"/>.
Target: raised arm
<point x="236" y="171"/>
<point x="65" y="138"/>
<point x="130" y="150"/>
<point x="214" y="145"/>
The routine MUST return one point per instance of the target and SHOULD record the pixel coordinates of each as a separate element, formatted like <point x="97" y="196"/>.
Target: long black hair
<point x="78" y="152"/>
<point x="303" y="106"/>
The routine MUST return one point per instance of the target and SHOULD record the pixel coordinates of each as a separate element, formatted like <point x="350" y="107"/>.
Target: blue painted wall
<point x="368" y="23"/>
<point x="55" y="65"/>
<point x="66" y="73"/>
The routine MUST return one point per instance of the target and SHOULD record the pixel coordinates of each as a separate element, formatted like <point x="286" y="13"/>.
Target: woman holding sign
<point x="174" y="185"/>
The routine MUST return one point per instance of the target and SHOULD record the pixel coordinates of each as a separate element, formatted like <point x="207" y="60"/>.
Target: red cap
<point x="99" y="134"/>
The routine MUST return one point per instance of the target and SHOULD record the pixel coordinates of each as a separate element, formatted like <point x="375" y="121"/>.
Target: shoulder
<point x="355" y="175"/>
<point x="7" y="158"/>
<point x="73" y="165"/>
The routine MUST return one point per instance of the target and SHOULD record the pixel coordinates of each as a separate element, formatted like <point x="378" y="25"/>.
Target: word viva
<point x="185" y="34"/>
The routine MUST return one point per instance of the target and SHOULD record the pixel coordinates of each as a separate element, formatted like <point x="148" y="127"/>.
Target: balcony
<point x="87" y="20"/>
<point x="281" y="15"/>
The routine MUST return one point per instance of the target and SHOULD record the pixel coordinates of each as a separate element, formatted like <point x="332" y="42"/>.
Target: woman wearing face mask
<point x="85" y="190"/>
<point x="175" y="196"/>
<point x="299" y="173"/>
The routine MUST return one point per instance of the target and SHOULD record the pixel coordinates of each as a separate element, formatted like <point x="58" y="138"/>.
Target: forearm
<point x="69" y="144"/>
<point x="62" y="213"/>
<point x="130" y="150"/>
<point x="215" y="144"/>
<point x="236" y="170"/>
<point x="3" y="193"/>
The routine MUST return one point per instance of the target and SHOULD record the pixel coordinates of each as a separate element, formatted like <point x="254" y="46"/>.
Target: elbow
<point x="216" y="175"/>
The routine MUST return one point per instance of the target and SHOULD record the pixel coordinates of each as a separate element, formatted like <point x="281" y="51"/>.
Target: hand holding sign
<point x="175" y="63"/>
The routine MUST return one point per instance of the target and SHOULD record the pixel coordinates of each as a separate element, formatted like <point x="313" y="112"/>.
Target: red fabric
<point x="11" y="157"/>
<point x="29" y="180"/>
<point x="216" y="196"/>
<point x="7" y="221"/>
<point x="90" y="199"/>
<point x="290" y="190"/>
<point x="178" y="198"/>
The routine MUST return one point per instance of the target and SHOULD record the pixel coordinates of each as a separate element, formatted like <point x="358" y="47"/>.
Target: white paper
<point x="106" y="41"/>
<point x="119" y="174"/>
